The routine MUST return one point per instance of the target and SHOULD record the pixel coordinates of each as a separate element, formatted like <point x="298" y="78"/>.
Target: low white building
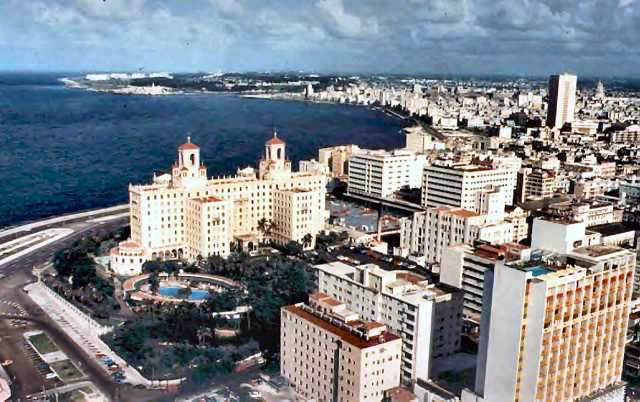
<point x="558" y="235"/>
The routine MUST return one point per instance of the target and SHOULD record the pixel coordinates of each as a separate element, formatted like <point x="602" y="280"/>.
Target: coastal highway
<point x="18" y="272"/>
<point x="79" y="225"/>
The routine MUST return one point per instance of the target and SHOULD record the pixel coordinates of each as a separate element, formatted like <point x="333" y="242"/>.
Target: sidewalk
<point x="83" y="330"/>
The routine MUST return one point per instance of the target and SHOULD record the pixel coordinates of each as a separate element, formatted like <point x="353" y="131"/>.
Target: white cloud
<point x="119" y="9"/>
<point x="344" y="23"/>
<point x="228" y="7"/>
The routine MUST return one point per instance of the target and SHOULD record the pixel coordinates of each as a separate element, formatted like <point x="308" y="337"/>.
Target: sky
<point x="596" y="38"/>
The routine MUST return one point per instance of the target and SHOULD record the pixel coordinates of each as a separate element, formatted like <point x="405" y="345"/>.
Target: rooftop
<point x="597" y="251"/>
<point x="611" y="229"/>
<point x="348" y="336"/>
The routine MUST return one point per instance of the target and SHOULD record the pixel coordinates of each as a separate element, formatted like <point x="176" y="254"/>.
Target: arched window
<point x="193" y="159"/>
<point x="279" y="153"/>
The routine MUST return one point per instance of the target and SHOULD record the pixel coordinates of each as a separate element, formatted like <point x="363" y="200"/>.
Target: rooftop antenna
<point x="273" y="126"/>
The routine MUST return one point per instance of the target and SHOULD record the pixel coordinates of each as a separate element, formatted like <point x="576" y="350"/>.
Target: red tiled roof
<point x="187" y="146"/>
<point x="274" y="140"/>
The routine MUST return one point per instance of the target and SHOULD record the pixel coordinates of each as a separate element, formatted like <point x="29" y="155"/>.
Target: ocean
<point x="64" y="150"/>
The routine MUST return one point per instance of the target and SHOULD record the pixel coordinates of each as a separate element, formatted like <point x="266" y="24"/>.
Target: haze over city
<point x="521" y="37"/>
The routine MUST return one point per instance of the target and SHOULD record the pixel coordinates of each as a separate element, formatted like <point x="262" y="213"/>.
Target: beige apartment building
<point x="427" y="234"/>
<point x="426" y="316"/>
<point x="554" y="329"/>
<point x="187" y="215"/>
<point x="337" y="159"/>
<point x="328" y="354"/>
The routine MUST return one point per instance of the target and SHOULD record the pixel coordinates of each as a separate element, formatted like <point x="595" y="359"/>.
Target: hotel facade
<point x="329" y="354"/>
<point x="184" y="214"/>
<point x="554" y="331"/>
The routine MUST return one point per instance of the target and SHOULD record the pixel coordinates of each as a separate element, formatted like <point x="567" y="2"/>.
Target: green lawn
<point x="43" y="343"/>
<point x="66" y="370"/>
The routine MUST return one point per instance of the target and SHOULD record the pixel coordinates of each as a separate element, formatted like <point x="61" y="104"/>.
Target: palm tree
<point x="266" y="227"/>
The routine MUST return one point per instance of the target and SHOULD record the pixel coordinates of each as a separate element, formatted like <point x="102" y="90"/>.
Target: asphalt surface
<point x="17" y="274"/>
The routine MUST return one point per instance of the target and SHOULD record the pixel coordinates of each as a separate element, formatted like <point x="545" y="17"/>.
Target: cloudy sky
<point x="529" y="37"/>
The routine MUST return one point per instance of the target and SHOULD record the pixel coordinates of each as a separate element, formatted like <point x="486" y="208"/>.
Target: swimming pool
<point x="172" y="291"/>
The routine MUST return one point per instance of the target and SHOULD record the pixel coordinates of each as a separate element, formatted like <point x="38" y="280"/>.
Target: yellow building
<point x="187" y="215"/>
<point x="554" y="331"/>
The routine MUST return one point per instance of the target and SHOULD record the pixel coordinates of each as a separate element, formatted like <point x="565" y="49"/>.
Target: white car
<point x="255" y="394"/>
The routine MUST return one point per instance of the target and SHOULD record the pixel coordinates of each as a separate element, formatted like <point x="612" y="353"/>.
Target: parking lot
<point x="250" y="386"/>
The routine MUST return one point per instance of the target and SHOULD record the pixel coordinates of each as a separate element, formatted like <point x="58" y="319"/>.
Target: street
<point x="18" y="273"/>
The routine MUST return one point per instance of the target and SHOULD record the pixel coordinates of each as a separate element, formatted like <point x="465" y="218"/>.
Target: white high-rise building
<point x="457" y="186"/>
<point x="554" y="330"/>
<point x="427" y="234"/>
<point x="562" y="99"/>
<point x="426" y="316"/>
<point x="185" y="215"/>
<point x="380" y="173"/>
<point x="329" y="354"/>
<point x="464" y="266"/>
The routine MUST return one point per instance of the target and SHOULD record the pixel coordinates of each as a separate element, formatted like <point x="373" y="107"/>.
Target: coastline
<point x="277" y="96"/>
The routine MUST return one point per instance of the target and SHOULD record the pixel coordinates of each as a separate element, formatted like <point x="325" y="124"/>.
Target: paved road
<point x="18" y="273"/>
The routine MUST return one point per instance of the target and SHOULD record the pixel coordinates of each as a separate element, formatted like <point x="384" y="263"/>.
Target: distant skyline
<point x="596" y="38"/>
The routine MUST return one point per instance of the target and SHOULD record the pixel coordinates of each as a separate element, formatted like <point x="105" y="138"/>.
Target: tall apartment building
<point x="429" y="233"/>
<point x="535" y="184"/>
<point x="380" y="173"/>
<point x="337" y="159"/>
<point x="457" y="186"/>
<point x="464" y="266"/>
<point x="630" y="135"/>
<point x="562" y="99"/>
<point x="554" y="330"/>
<point x="185" y="215"/>
<point x="329" y="354"/>
<point x="426" y="316"/>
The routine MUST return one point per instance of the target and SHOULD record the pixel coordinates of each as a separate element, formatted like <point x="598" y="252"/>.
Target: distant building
<point x="535" y="184"/>
<point x="562" y="100"/>
<point x="337" y="159"/>
<point x="328" y="354"/>
<point x="559" y="235"/>
<point x="599" y="93"/>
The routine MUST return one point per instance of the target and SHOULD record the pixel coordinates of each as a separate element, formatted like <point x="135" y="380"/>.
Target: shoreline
<point x="276" y="96"/>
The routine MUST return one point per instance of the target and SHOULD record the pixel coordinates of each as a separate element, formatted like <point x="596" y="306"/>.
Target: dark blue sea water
<point x="64" y="150"/>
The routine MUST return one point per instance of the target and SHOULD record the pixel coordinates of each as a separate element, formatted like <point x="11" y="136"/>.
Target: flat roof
<point x="611" y="229"/>
<point x="597" y="250"/>
<point x="346" y="335"/>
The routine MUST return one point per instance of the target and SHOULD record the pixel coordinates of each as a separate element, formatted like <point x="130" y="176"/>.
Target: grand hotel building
<point x="187" y="215"/>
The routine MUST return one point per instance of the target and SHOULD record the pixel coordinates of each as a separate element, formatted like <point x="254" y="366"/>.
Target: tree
<point x="266" y="227"/>
<point x="307" y="240"/>
<point x="154" y="282"/>
<point x="184" y="293"/>
<point x="292" y="248"/>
